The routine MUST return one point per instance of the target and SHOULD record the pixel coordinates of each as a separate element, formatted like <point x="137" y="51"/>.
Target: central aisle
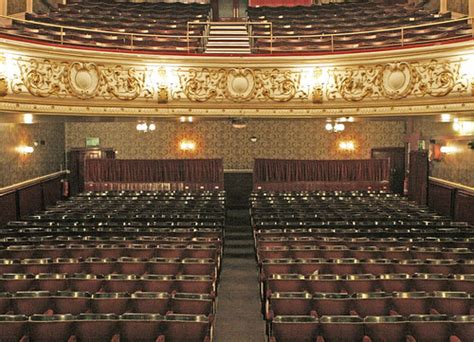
<point x="238" y="309"/>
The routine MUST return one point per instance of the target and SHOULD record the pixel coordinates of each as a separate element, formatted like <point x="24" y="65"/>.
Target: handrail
<point x="30" y="182"/>
<point x="331" y="36"/>
<point x="452" y="184"/>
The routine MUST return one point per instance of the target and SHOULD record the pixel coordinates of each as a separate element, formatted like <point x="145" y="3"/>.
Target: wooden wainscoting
<point x="28" y="197"/>
<point x="451" y="199"/>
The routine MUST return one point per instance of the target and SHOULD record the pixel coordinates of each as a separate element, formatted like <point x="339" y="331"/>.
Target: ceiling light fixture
<point x="238" y="123"/>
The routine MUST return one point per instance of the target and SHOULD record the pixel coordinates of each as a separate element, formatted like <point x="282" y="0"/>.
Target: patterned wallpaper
<point x="459" y="6"/>
<point x="457" y="167"/>
<point x="277" y="138"/>
<point x="46" y="159"/>
<point x="15" y="6"/>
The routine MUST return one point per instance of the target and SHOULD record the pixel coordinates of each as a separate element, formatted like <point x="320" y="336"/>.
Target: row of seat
<point x="106" y="327"/>
<point x="124" y="265"/>
<point x="347" y="328"/>
<point x="101" y="255"/>
<point x="73" y="302"/>
<point x="367" y="252"/>
<point x="83" y="282"/>
<point x="354" y="266"/>
<point x="369" y="304"/>
<point x="337" y="254"/>
<point x="104" y="250"/>
<point x="365" y="242"/>
<point x="391" y="282"/>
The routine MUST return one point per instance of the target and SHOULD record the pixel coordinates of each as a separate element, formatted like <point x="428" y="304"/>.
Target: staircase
<point x="228" y="38"/>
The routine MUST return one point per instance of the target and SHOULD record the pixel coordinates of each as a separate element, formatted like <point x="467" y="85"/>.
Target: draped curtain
<point x="273" y="3"/>
<point x="154" y="171"/>
<point x="293" y="171"/>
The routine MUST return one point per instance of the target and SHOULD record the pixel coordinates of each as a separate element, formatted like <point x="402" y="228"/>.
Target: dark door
<point x="232" y="9"/>
<point x="397" y="165"/>
<point x="418" y="177"/>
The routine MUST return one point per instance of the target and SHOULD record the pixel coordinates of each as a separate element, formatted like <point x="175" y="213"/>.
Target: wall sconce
<point x="463" y="127"/>
<point x="186" y="119"/>
<point x="146" y="127"/>
<point x="25" y="150"/>
<point x="347" y="146"/>
<point x="447" y="149"/>
<point x="28" y="118"/>
<point x="187" y="145"/>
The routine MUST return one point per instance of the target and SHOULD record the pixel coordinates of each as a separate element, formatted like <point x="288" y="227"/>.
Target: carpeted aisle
<point x="238" y="309"/>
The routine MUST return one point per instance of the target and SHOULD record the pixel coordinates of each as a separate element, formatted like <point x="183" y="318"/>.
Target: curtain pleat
<point x="165" y="170"/>
<point x="280" y="170"/>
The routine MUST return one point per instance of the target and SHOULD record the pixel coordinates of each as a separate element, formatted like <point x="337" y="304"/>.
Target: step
<point x="228" y="33"/>
<point x="230" y="27"/>
<point x="228" y="52"/>
<point x="221" y="44"/>
<point x="224" y="50"/>
<point x="230" y="39"/>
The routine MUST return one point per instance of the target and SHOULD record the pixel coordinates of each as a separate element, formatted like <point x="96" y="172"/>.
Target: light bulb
<point x="328" y="126"/>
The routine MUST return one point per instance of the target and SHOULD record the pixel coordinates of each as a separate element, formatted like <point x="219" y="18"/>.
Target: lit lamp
<point x="187" y="145"/>
<point x="25" y="150"/>
<point x="347" y="146"/>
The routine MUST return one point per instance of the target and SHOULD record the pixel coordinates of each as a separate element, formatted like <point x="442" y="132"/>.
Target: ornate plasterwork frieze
<point x="395" y="81"/>
<point x="91" y="83"/>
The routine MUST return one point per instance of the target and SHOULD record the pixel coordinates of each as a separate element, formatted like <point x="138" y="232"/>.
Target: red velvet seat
<point x="372" y="304"/>
<point x="83" y="282"/>
<point x="409" y="266"/>
<point x="14" y="282"/>
<point x="280" y="252"/>
<point x="195" y="283"/>
<point x="12" y="327"/>
<point x="69" y="302"/>
<point x="343" y="266"/>
<point x="9" y="266"/>
<point x="140" y="327"/>
<point x="444" y="266"/>
<point x="429" y="328"/>
<point x="81" y="251"/>
<point x="141" y="251"/>
<point x="353" y="283"/>
<point x="377" y="266"/>
<point x="408" y="303"/>
<point x="95" y="327"/>
<point x="386" y="328"/>
<point x="110" y="251"/>
<point x="342" y="328"/>
<point x="290" y="303"/>
<point x="35" y="266"/>
<point x="463" y="327"/>
<point x="20" y="252"/>
<point x="286" y="283"/>
<point x="308" y="266"/>
<point x="51" y="251"/>
<point x="128" y="265"/>
<point x="364" y="252"/>
<point x="294" y="328"/>
<point x="192" y="303"/>
<point x="121" y="282"/>
<point x="150" y="302"/>
<point x="277" y="266"/>
<point x="462" y="282"/>
<point x="173" y="251"/>
<point x="4" y="302"/>
<point x="185" y="328"/>
<point x="451" y="303"/>
<point x="50" y="327"/>
<point x="68" y="265"/>
<point x="332" y="303"/>
<point x="99" y="266"/>
<point x="323" y="283"/>
<point x="305" y="252"/>
<point x="157" y="283"/>
<point x="106" y="302"/>
<point x="396" y="282"/>
<point x="198" y="266"/>
<point x="431" y="282"/>
<point x="31" y="302"/>
<point x="164" y="266"/>
<point x="51" y="281"/>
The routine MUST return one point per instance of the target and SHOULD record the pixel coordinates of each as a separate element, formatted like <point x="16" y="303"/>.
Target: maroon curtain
<point x="292" y="171"/>
<point x="154" y="171"/>
<point x="287" y="3"/>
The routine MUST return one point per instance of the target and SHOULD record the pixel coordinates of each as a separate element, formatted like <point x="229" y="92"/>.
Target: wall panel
<point x="441" y="198"/>
<point x="464" y="207"/>
<point x="276" y="138"/>
<point x="7" y="208"/>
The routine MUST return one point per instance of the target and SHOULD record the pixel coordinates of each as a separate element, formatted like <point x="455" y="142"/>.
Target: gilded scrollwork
<point x="45" y="78"/>
<point x="239" y="85"/>
<point x="394" y="81"/>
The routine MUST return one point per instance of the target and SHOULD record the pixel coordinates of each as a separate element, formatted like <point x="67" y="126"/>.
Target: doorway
<point x="233" y="10"/>
<point x="397" y="165"/>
